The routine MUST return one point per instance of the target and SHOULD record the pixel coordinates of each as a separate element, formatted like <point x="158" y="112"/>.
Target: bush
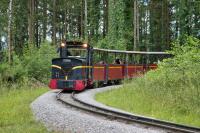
<point x="38" y="62"/>
<point x="176" y="81"/>
<point x="34" y="63"/>
<point x="12" y="72"/>
<point x="171" y="92"/>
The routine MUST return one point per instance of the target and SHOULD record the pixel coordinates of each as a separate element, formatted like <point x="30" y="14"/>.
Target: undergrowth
<point x="171" y="92"/>
<point x="15" y="112"/>
<point x="20" y="83"/>
<point x="32" y="64"/>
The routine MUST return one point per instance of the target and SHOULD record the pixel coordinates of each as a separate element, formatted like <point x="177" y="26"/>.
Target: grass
<point x="135" y="99"/>
<point x="171" y="92"/>
<point x="15" y="112"/>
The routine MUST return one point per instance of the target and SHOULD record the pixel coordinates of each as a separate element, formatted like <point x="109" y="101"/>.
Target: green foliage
<point x="179" y="75"/>
<point x="37" y="62"/>
<point x="187" y="11"/>
<point x="33" y="64"/>
<point x="103" y="43"/>
<point x="10" y="73"/>
<point x="106" y="44"/>
<point x="171" y="92"/>
<point x="116" y="25"/>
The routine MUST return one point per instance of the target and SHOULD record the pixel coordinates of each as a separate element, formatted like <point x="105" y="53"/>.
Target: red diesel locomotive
<point x="81" y="66"/>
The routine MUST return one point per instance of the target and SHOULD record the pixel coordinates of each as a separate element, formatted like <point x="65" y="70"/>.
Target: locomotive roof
<point x="74" y="43"/>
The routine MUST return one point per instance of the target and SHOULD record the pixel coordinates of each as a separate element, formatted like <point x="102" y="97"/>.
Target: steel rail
<point x="100" y="113"/>
<point x="126" y="117"/>
<point x="145" y="120"/>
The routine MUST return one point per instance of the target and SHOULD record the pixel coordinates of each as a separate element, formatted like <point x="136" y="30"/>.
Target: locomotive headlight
<point x="62" y="45"/>
<point x="85" y="45"/>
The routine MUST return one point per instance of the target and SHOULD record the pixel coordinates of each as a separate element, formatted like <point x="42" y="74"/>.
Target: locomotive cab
<point x="69" y="72"/>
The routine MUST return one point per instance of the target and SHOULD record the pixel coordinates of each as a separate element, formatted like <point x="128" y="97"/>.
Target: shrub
<point x="38" y="62"/>
<point x="176" y="81"/>
<point x="34" y="63"/>
<point x="171" y="92"/>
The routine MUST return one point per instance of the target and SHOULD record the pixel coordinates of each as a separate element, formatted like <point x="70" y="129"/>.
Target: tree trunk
<point x="36" y="24"/>
<point x="86" y="22"/>
<point x="166" y="25"/>
<point x="79" y="25"/>
<point x="44" y="20"/>
<point x="82" y="19"/>
<point x="31" y="21"/>
<point x="54" y="22"/>
<point x="65" y="24"/>
<point x="105" y="18"/>
<point x="10" y="32"/>
<point x="135" y="23"/>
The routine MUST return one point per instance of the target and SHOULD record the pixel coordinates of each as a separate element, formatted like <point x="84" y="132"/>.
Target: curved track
<point x="73" y="101"/>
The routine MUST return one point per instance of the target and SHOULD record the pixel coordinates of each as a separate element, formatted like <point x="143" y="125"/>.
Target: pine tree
<point x="10" y="31"/>
<point x="31" y="21"/>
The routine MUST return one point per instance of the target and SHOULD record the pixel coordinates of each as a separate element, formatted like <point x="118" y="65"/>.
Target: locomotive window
<point x="77" y="52"/>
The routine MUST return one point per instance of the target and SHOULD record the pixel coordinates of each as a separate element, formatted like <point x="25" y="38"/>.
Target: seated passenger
<point x="101" y="62"/>
<point x="117" y="61"/>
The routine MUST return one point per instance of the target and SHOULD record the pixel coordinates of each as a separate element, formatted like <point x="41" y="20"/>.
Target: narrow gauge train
<point x="81" y="66"/>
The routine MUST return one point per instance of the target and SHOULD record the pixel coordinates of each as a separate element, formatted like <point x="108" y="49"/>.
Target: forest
<point x="145" y="25"/>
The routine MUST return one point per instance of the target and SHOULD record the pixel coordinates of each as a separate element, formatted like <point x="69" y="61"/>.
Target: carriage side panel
<point x="115" y="72"/>
<point x="135" y="70"/>
<point x="99" y="72"/>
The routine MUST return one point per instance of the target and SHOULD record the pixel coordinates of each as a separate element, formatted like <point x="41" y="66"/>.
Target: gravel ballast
<point x="58" y="117"/>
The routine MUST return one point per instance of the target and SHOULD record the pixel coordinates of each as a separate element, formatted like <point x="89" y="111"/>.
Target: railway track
<point x="71" y="100"/>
